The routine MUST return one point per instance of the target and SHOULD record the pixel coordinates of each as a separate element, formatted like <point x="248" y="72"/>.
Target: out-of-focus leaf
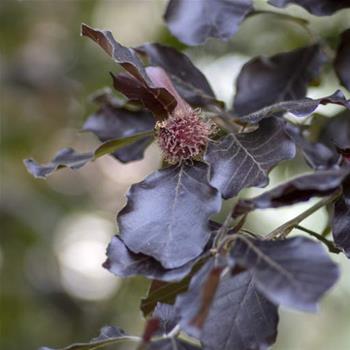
<point x="240" y="317"/>
<point x="158" y="100"/>
<point x="295" y="272"/>
<point x="264" y="81"/>
<point x="189" y="81"/>
<point x="316" y="7"/>
<point x="193" y="22"/>
<point x="194" y="305"/>
<point x="167" y="214"/>
<point x="244" y="160"/>
<point x="108" y="335"/>
<point x="341" y="220"/>
<point x="336" y="133"/>
<point x="318" y="155"/>
<point x="342" y="59"/>
<point x="300" y="189"/>
<point x="300" y="108"/>
<point x="172" y="344"/>
<point x="67" y="157"/>
<point x="122" y="262"/>
<point x="113" y="121"/>
<point x="168" y="317"/>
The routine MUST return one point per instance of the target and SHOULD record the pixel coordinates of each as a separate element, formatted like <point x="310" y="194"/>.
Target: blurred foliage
<point x="47" y="74"/>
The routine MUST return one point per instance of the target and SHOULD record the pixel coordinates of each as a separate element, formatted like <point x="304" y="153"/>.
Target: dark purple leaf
<point x="167" y="316"/>
<point x="115" y="121"/>
<point x="300" y="189"/>
<point x="295" y="272"/>
<point x="299" y="108"/>
<point x="193" y="22"/>
<point x="342" y="59"/>
<point x="316" y="7"/>
<point x="194" y="305"/>
<point x="188" y="80"/>
<point x="318" y="155"/>
<point x="336" y="133"/>
<point x="158" y="99"/>
<point x="264" y="81"/>
<point x="244" y="160"/>
<point x="108" y="335"/>
<point x="341" y="220"/>
<point x="65" y="157"/>
<point x="167" y="214"/>
<point x="240" y="317"/>
<point x="124" y="263"/>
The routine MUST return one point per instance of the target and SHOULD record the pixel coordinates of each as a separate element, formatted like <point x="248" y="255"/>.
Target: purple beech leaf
<point x="158" y="100"/>
<point x="318" y="155"/>
<point x="295" y="272"/>
<point x="67" y="157"/>
<point x="300" y="108"/>
<point x="342" y="59"/>
<point x="167" y="320"/>
<point x="316" y="7"/>
<point x="115" y="121"/>
<point x="336" y="133"/>
<point x="167" y="214"/>
<point x="166" y="292"/>
<point x="193" y="306"/>
<point x="318" y="184"/>
<point x="167" y="316"/>
<point x="189" y="81"/>
<point x="240" y="317"/>
<point x="244" y="160"/>
<point x="108" y="335"/>
<point x="264" y="81"/>
<point x="193" y="22"/>
<point x="124" y="263"/>
<point x="341" y="220"/>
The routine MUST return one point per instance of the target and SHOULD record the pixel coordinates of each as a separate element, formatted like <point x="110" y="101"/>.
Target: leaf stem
<point x="284" y="230"/>
<point x="330" y="245"/>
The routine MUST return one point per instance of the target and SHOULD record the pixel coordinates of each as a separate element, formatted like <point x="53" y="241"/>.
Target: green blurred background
<point x="54" y="233"/>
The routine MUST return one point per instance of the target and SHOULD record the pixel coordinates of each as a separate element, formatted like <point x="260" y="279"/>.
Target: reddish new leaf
<point x="188" y="80"/>
<point x="342" y="59"/>
<point x="264" y="81"/>
<point x="193" y="22"/>
<point x="159" y="100"/>
<point x="244" y="160"/>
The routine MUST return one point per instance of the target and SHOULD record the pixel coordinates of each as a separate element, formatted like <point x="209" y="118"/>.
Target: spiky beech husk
<point x="183" y="136"/>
